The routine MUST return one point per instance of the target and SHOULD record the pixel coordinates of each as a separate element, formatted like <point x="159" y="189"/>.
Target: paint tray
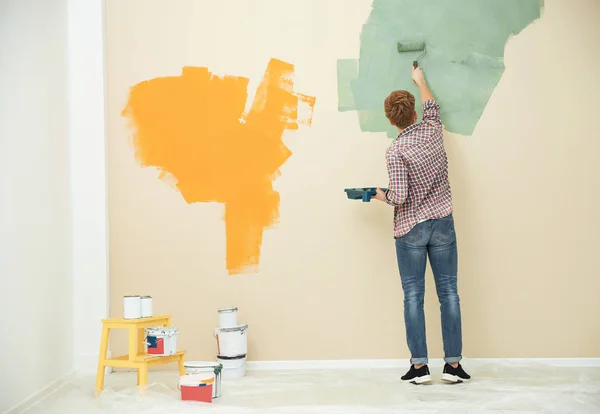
<point x="363" y="194"/>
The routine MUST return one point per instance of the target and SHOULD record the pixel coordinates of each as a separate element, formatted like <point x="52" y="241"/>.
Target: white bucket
<point x="161" y="341"/>
<point x="232" y="342"/>
<point x="202" y="367"/>
<point x="228" y="317"/>
<point x="146" y="305"/>
<point x="233" y="367"/>
<point x="132" y="307"/>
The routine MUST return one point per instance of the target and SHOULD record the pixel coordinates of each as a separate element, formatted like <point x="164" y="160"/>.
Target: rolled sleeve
<point x="398" y="185"/>
<point x="431" y="113"/>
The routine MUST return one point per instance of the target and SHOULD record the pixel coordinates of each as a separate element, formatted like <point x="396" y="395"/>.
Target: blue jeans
<point x="437" y="239"/>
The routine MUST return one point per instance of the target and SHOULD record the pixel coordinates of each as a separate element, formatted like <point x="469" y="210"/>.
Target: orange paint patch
<point x="194" y="130"/>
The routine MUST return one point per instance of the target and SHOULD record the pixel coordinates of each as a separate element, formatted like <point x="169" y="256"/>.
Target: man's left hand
<point x="380" y="195"/>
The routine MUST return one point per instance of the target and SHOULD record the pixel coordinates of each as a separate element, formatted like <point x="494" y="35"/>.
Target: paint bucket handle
<point x="216" y="335"/>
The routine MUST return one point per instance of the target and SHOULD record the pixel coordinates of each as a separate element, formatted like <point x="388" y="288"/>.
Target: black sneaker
<point x="417" y="376"/>
<point x="456" y="375"/>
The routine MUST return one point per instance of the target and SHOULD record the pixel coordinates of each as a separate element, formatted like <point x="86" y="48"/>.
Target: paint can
<point x="201" y="367"/>
<point x="161" y="341"/>
<point x="232" y="341"/>
<point x="233" y="367"/>
<point x="198" y="387"/>
<point x="146" y="305"/>
<point x="228" y="317"/>
<point x="132" y="307"/>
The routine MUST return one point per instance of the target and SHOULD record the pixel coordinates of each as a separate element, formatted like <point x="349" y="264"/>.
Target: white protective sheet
<point x="497" y="387"/>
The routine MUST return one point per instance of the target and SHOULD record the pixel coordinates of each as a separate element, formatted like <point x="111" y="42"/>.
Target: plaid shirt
<point x="417" y="166"/>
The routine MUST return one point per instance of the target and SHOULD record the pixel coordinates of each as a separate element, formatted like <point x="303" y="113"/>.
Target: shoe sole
<point x="425" y="379"/>
<point x="453" y="379"/>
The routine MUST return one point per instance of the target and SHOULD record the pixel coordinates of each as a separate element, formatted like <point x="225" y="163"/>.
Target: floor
<point x="495" y="388"/>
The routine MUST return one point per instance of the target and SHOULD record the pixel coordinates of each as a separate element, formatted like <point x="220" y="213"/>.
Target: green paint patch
<point x="347" y="72"/>
<point x="464" y="62"/>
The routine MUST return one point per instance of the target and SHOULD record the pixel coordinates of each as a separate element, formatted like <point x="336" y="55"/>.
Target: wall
<point x="327" y="285"/>
<point x="88" y="178"/>
<point x="35" y="239"/>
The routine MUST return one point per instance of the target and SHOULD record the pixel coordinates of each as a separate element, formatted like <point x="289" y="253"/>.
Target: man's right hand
<point x="417" y="76"/>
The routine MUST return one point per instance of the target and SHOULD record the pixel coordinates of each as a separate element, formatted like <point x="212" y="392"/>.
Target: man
<point x="419" y="191"/>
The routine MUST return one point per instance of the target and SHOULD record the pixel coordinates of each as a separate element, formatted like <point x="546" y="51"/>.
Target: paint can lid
<point x="227" y="310"/>
<point x="146" y="297"/>
<point x="132" y="296"/>
<point x="234" y="328"/>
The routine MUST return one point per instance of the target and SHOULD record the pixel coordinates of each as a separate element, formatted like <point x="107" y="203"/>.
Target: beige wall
<point x="525" y="187"/>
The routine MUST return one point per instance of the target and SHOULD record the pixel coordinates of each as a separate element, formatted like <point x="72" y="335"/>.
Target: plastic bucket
<point x="161" y="341"/>
<point x="197" y="387"/>
<point x="202" y="367"/>
<point x="232" y="342"/>
<point x="233" y="367"/>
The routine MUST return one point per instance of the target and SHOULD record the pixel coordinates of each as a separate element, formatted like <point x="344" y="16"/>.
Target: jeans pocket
<point x="414" y="237"/>
<point x="443" y="232"/>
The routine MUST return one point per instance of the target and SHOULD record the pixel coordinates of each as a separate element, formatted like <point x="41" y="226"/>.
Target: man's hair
<point x="400" y="108"/>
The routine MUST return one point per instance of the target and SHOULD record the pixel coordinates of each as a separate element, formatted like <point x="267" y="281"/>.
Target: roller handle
<point x="415" y="64"/>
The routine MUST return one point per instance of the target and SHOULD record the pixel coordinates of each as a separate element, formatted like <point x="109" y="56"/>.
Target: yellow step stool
<point x="137" y="357"/>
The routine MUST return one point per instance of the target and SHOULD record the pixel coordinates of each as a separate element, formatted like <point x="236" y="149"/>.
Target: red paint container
<point x="197" y="388"/>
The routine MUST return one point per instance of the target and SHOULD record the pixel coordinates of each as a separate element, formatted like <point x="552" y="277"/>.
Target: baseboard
<point x="88" y="363"/>
<point x="554" y="362"/>
<point x="325" y="364"/>
<point x="403" y="363"/>
<point x="41" y="395"/>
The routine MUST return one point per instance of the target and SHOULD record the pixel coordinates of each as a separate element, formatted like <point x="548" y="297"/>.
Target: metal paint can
<point x="132" y="307"/>
<point x="146" y="305"/>
<point x="233" y="341"/>
<point x="161" y="341"/>
<point x="228" y="317"/>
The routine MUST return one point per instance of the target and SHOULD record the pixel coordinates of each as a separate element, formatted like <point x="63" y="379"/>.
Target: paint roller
<point x="413" y="47"/>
